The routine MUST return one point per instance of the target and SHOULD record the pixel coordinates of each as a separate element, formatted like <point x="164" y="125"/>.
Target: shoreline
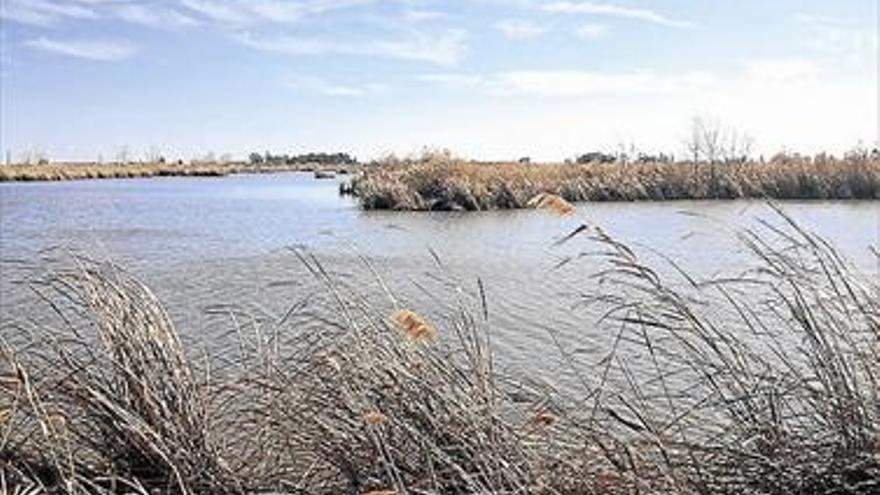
<point x="91" y="171"/>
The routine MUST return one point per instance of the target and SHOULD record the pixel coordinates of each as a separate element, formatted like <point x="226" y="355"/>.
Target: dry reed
<point x="443" y="182"/>
<point x="80" y="171"/>
<point x="764" y="383"/>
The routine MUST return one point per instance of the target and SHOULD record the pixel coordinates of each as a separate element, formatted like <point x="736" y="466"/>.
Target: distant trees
<point x="32" y="156"/>
<point x="123" y="154"/>
<point x="323" y="158"/>
<point x="634" y="156"/>
<point x="713" y="142"/>
<point x="316" y="158"/>
<point x="153" y="155"/>
<point x="596" y="157"/>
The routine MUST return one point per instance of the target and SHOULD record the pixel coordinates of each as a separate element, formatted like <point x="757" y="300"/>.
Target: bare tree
<point x="152" y="154"/>
<point x="626" y="151"/>
<point x="711" y="133"/>
<point x="123" y="154"/>
<point x="737" y="146"/>
<point x="713" y="142"/>
<point x="34" y="155"/>
<point x="692" y="144"/>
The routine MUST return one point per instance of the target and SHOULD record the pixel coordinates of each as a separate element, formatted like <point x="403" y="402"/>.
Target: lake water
<point x="203" y="242"/>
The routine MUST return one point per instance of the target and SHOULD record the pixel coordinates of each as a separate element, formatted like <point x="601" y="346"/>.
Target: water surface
<point x="203" y="242"/>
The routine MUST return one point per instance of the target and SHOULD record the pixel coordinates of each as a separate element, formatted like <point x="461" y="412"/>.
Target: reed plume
<point x="414" y="326"/>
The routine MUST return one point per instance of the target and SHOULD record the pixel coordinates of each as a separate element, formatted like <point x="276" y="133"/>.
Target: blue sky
<point x="486" y="78"/>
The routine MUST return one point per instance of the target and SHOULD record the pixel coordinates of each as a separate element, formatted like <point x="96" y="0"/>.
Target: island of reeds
<point x="763" y="383"/>
<point x="440" y="181"/>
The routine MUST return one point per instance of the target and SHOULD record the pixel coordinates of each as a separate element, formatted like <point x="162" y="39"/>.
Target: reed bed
<point x="439" y="181"/>
<point x="762" y="383"/>
<point x="79" y="171"/>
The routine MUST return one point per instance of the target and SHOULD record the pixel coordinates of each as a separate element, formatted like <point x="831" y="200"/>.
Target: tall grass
<point x="766" y="383"/>
<point x="440" y="181"/>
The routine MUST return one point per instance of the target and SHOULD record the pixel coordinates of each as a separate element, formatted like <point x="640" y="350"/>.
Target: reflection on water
<point x="202" y="242"/>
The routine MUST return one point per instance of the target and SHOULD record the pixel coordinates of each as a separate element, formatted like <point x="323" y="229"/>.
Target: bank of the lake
<point x="86" y="170"/>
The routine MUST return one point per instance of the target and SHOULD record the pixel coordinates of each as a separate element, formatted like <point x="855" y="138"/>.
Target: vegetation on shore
<point x="75" y="171"/>
<point x="440" y="181"/>
<point x="766" y="383"/>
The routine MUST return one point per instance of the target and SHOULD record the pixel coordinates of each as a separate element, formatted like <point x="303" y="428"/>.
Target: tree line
<point x="319" y="158"/>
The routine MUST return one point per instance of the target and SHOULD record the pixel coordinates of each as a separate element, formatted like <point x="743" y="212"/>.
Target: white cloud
<point x="442" y="49"/>
<point x="423" y="15"/>
<point x="794" y="104"/>
<point x="780" y="71"/>
<point x="838" y="37"/>
<point x="612" y="10"/>
<point x="519" y="29"/>
<point x="453" y="80"/>
<point x="583" y="83"/>
<point x="98" y="50"/>
<point x="591" y="31"/>
<point x="327" y="88"/>
<point x="574" y="83"/>
<point x="153" y="17"/>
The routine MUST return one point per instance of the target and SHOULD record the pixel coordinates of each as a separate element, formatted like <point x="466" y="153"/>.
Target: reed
<point x="439" y="181"/>
<point x="81" y="171"/>
<point x="763" y="383"/>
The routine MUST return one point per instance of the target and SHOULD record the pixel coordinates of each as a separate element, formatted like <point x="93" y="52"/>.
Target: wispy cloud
<point x="582" y="83"/>
<point x="324" y="87"/>
<point x="591" y="31"/>
<point x="573" y="83"/>
<point x="443" y="49"/>
<point x="97" y="50"/>
<point x="423" y="15"/>
<point x="519" y="29"/>
<point x="44" y="12"/>
<point x="218" y="11"/>
<point x="782" y="71"/>
<point x="236" y="12"/>
<point x="839" y="37"/>
<point x="453" y="80"/>
<point x="153" y="17"/>
<point x="613" y="10"/>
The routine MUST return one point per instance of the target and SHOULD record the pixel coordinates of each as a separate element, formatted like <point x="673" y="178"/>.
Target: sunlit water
<point x="200" y="243"/>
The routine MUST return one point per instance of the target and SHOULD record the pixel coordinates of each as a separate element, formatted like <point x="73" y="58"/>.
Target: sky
<point x="488" y="79"/>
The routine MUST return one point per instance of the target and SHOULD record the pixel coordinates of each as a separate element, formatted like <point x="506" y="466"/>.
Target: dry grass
<point x="766" y="383"/>
<point x="78" y="171"/>
<point x="442" y="182"/>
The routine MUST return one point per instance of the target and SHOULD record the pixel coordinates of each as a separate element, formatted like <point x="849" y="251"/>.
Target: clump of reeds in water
<point x="552" y="203"/>
<point x="761" y="383"/>
<point x="440" y="181"/>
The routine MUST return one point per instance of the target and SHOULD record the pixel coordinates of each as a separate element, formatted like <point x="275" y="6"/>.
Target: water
<point x="200" y="242"/>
